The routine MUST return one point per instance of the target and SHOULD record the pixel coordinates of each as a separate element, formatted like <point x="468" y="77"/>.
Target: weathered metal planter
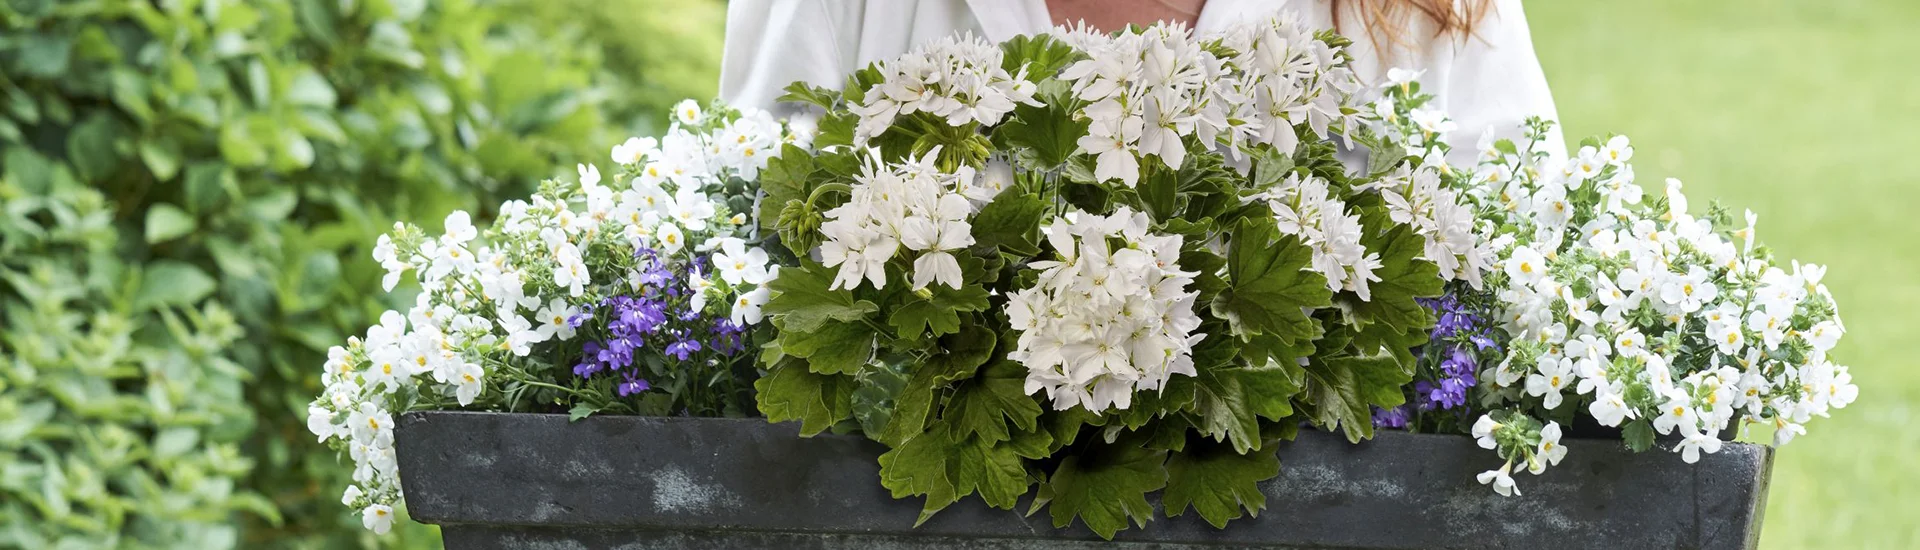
<point x="494" y="480"/>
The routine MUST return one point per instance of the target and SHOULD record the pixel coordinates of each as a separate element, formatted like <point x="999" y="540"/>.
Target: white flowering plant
<point x="1612" y="309"/>
<point x="637" y="292"/>
<point x="1091" y="266"/>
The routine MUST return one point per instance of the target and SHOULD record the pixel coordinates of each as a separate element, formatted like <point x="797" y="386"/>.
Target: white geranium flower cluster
<point x="1145" y="88"/>
<point x="534" y="277"/>
<point x="1110" y="317"/>
<point x="1305" y="208"/>
<point x="1647" y="317"/>
<point x="912" y="205"/>
<point x="1284" y="76"/>
<point x="1148" y="88"/>
<point x="958" y="79"/>
<point x="1442" y="216"/>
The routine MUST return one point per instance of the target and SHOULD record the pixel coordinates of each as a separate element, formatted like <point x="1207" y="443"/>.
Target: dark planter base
<point x="496" y="480"/>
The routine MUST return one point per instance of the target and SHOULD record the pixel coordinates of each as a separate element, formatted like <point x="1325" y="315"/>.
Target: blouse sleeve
<point x="1495" y="82"/>
<point x="773" y="43"/>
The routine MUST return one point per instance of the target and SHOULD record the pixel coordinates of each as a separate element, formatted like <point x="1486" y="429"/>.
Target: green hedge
<point x="188" y="193"/>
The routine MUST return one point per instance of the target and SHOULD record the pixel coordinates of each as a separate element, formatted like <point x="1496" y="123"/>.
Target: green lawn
<point x="1807" y="112"/>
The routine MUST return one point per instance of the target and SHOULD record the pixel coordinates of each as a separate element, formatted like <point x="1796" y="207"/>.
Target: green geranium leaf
<point x="801" y="92"/>
<point x="1218" y="482"/>
<point x="1343" y="390"/>
<point x="984" y="405"/>
<point x="801" y="301"/>
<point x="1042" y="56"/>
<point x="835" y="347"/>
<point x="1043" y="137"/>
<point x="873" y="401"/>
<point x="940" y="311"/>
<point x="1403" y="276"/>
<point x="1230" y="400"/>
<point x="944" y="469"/>
<point x="960" y="357"/>
<point x="785" y="179"/>
<point x="1267" y="287"/>
<point x="792" y="392"/>
<point x="1105" y="486"/>
<point x="1011" y="222"/>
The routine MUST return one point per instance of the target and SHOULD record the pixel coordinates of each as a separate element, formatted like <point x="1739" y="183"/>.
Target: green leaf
<point x="873" y="402"/>
<point x="43" y="55"/>
<point x="792" y="392"/>
<point x="1639" y="435"/>
<point x="985" y="404"/>
<point x="1043" y="137"/>
<point x="90" y="147"/>
<point x="1011" y="222"/>
<point x="785" y="179"/>
<point x="580" y="411"/>
<point x="1268" y="286"/>
<point x="1403" y="276"/>
<point x="311" y="90"/>
<point x="1105" y="486"/>
<point x="1230" y="400"/>
<point x="1343" y="389"/>
<point x="170" y="282"/>
<point x="961" y="356"/>
<point x="945" y="469"/>
<point x="173" y="442"/>
<point x="802" y="302"/>
<point x="802" y="92"/>
<point x="940" y="312"/>
<point x="166" y="222"/>
<point x="1042" y="56"/>
<point x="207" y="183"/>
<point x="162" y="157"/>
<point x="834" y="347"/>
<point x="1218" y="482"/>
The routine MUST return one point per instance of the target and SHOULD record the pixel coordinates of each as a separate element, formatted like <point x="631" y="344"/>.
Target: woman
<point x="1475" y="55"/>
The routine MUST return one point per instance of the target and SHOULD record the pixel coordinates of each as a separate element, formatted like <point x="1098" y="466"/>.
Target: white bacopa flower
<point x="634" y="149"/>
<point x="746" y="307"/>
<point x="1483" y="430"/>
<point x="1553" y="378"/>
<point x="377" y="518"/>
<point x="553" y="320"/>
<point x="1102" y="323"/>
<point x="1610" y="407"/>
<point x="1550" y="452"/>
<point x="687" y="112"/>
<point x="1501" y="480"/>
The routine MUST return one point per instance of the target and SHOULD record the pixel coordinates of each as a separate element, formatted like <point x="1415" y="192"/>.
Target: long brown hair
<point x="1391" y="19"/>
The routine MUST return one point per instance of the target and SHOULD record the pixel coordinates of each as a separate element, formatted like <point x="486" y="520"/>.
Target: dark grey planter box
<point x="494" y="480"/>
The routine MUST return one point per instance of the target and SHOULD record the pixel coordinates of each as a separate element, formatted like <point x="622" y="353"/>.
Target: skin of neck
<point x="1112" y="15"/>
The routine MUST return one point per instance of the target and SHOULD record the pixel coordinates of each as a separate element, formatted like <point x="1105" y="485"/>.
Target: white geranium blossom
<point x="1100" y="322"/>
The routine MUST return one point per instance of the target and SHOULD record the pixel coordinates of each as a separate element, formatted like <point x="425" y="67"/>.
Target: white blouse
<point x="1488" y="80"/>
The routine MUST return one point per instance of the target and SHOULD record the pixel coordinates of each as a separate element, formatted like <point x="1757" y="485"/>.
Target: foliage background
<point x="1799" y="110"/>
<point x="191" y="188"/>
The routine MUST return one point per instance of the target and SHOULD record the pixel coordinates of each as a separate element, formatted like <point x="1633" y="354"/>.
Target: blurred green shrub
<point x="190" y="191"/>
<point x="657" y="52"/>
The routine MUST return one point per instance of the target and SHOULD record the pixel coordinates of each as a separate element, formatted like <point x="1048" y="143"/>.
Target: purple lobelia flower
<point x="1394" y="418"/>
<point x="632" y="386"/>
